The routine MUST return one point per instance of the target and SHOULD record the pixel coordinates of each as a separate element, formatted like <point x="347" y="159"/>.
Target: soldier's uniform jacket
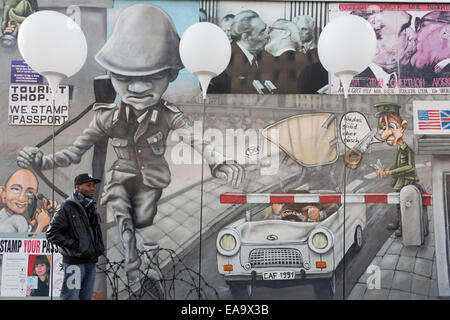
<point x="139" y="144"/>
<point x="404" y="171"/>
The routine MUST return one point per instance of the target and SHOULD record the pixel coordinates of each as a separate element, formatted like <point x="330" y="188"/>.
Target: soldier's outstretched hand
<point x="29" y="157"/>
<point x="233" y="173"/>
<point x="383" y="174"/>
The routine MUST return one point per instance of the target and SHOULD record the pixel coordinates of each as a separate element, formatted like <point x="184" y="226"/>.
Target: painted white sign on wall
<point x="32" y="105"/>
<point x="29" y="267"/>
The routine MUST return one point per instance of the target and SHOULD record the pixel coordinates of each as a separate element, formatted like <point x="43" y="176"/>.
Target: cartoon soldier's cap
<point x="144" y="41"/>
<point x="386" y="107"/>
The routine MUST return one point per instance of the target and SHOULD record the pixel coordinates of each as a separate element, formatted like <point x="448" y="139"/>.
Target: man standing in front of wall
<point x="75" y="229"/>
<point x="138" y="125"/>
<point x="391" y="129"/>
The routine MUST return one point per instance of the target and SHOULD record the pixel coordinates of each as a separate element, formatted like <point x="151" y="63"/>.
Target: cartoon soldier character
<point x="403" y="172"/>
<point x="142" y="55"/>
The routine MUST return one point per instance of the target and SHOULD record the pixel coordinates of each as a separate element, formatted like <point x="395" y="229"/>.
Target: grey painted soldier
<point x="143" y="58"/>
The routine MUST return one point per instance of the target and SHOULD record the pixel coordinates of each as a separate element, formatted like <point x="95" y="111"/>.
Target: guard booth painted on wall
<point x="436" y="143"/>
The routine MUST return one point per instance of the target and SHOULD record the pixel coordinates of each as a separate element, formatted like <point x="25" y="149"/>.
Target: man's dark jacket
<point x="75" y="229"/>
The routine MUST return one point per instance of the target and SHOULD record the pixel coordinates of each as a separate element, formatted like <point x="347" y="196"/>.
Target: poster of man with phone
<point x="24" y="209"/>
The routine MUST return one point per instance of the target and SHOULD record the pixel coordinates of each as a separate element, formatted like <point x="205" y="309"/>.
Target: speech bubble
<point x="354" y="127"/>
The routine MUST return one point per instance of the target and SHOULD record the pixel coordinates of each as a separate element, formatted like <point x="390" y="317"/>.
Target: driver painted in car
<point x="304" y="212"/>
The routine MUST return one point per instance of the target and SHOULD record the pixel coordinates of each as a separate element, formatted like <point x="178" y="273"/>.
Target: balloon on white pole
<point x="346" y="47"/>
<point x="205" y="51"/>
<point x="53" y="45"/>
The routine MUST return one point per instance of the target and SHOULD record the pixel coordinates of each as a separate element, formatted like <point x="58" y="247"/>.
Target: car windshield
<point x="296" y="213"/>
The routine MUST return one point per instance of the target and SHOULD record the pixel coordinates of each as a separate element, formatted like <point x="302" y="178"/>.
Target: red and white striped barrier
<point x="368" y="197"/>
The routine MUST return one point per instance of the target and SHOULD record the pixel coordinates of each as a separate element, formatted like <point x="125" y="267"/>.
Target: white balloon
<point x="205" y="51"/>
<point x="346" y="47"/>
<point x="52" y="43"/>
<point x="347" y="43"/>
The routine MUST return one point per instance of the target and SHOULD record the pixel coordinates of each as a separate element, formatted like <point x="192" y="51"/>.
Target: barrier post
<point x="411" y="216"/>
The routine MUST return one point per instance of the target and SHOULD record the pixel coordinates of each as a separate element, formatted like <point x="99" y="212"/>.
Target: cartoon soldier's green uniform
<point x="403" y="172"/>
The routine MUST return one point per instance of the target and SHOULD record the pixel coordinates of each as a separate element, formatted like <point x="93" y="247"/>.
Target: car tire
<point x="325" y="289"/>
<point x="241" y="291"/>
<point x="358" y="240"/>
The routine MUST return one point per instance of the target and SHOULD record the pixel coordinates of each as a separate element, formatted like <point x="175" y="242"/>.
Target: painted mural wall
<point x="274" y="187"/>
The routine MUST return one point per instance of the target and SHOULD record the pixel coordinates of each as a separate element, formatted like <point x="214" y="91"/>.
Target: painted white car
<point x="262" y="248"/>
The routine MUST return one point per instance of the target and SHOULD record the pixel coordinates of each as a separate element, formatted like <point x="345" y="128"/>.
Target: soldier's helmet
<point x="144" y="41"/>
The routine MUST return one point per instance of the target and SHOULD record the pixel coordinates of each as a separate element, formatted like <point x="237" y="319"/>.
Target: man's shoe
<point x="133" y="276"/>
<point x="132" y="269"/>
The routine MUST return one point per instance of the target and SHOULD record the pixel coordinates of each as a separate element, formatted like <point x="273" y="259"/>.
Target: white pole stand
<point x="411" y="216"/>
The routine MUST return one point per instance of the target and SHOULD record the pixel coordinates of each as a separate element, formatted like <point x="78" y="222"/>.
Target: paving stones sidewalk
<point x="407" y="273"/>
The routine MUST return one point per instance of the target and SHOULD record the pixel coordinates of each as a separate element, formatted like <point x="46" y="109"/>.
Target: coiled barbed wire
<point x="154" y="283"/>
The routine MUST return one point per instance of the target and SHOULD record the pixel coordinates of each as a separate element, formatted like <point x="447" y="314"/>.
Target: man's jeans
<point x="78" y="283"/>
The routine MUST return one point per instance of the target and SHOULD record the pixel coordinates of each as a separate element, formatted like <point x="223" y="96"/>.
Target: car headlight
<point x="228" y="242"/>
<point x="320" y="240"/>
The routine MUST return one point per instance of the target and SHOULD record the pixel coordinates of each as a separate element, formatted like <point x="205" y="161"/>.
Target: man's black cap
<point x="85" y="177"/>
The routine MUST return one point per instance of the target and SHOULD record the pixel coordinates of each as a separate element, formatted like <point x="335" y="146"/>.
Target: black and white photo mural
<point x="274" y="47"/>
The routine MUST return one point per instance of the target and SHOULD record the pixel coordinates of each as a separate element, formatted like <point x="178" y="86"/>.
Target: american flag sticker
<point x="431" y="117"/>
